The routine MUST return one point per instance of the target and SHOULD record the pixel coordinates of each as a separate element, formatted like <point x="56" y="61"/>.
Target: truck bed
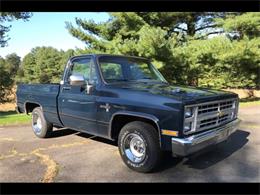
<point x="44" y="95"/>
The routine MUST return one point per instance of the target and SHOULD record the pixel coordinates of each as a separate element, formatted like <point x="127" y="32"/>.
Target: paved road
<point x="76" y="157"/>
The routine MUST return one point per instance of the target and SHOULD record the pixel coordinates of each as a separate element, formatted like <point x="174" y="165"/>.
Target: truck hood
<point x="182" y="93"/>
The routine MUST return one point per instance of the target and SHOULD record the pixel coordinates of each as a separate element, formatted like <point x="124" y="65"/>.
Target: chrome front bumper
<point x="194" y="143"/>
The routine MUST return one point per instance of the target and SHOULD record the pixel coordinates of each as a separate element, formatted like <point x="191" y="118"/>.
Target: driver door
<point x="78" y="108"/>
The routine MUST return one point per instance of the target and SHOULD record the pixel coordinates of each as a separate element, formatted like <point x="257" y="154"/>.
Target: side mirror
<point x="77" y="80"/>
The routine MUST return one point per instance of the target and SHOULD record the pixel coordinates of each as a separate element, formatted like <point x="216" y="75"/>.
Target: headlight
<point x="188" y="112"/>
<point x="189" y="123"/>
<point x="187" y="126"/>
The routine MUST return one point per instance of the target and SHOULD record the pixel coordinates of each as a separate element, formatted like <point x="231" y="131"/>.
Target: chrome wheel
<point x="134" y="148"/>
<point x="36" y="123"/>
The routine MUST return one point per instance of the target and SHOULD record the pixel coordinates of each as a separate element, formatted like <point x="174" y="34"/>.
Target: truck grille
<point x="212" y="114"/>
<point x="215" y="107"/>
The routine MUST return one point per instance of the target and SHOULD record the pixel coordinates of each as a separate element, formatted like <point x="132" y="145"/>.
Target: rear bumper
<point x="194" y="143"/>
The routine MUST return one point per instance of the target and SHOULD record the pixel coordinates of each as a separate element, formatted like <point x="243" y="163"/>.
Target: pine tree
<point x="8" y="17"/>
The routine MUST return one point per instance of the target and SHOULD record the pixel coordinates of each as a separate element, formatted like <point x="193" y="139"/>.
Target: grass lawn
<point x="242" y="104"/>
<point x="13" y="118"/>
<point x="249" y="102"/>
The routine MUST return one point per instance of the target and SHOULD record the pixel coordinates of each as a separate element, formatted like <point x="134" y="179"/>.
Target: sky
<point x="45" y="29"/>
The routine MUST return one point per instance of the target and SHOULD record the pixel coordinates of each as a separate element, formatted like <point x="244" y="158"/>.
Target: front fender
<point x="136" y="114"/>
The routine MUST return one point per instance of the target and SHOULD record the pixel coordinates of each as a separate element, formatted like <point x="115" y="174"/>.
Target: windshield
<point x="128" y="69"/>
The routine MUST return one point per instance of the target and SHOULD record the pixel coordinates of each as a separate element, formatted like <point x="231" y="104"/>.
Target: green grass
<point x="13" y="118"/>
<point x="254" y="103"/>
<point x="249" y="101"/>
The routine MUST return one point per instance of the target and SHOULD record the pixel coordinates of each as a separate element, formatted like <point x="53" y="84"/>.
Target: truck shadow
<point x="219" y="152"/>
<point x="99" y="139"/>
<point x="211" y="155"/>
<point x="61" y="132"/>
<point x="168" y="162"/>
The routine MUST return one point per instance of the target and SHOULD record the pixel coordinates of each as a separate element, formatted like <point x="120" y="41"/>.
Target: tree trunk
<point x="191" y="28"/>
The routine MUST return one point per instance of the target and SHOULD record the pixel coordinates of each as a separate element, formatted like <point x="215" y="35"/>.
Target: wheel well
<point x="30" y="106"/>
<point x="121" y="120"/>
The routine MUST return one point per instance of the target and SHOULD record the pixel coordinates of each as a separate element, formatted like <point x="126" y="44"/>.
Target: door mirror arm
<point x="88" y="87"/>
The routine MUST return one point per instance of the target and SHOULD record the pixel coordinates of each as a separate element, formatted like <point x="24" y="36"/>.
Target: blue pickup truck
<point x="126" y="99"/>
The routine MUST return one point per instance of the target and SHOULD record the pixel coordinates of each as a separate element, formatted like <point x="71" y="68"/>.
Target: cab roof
<point x="108" y="55"/>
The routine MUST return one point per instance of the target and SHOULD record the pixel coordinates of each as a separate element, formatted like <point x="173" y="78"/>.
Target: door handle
<point x="66" y="88"/>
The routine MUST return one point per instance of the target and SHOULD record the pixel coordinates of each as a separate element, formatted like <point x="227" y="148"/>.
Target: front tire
<point x="41" y="127"/>
<point x="139" y="146"/>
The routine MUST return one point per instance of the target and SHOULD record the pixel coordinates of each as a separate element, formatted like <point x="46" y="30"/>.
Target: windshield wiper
<point x="146" y="78"/>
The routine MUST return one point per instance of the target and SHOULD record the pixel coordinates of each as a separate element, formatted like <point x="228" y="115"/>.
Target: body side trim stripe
<point x="83" y="118"/>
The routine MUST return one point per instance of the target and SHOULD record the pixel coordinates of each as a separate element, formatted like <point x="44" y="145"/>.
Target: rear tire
<point x="41" y="127"/>
<point x="139" y="146"/>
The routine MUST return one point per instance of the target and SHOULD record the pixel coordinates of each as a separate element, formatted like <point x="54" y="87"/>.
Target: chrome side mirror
<point x="77" y="80"/>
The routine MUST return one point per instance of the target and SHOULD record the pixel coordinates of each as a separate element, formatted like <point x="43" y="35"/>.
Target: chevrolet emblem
<point x="220" y="114"/>
<point x="106" y="106"/>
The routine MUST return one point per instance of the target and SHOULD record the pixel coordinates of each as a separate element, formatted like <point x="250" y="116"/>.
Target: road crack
<point x="52" y="167"/>
<point x="7" y="139"/>
<point x="13" y="153"/>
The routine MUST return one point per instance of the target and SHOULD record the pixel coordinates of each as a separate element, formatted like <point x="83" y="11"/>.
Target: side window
<point x="85" y="67"/>
<point x="81" y="66"/>
<point x="111" y="71"/>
